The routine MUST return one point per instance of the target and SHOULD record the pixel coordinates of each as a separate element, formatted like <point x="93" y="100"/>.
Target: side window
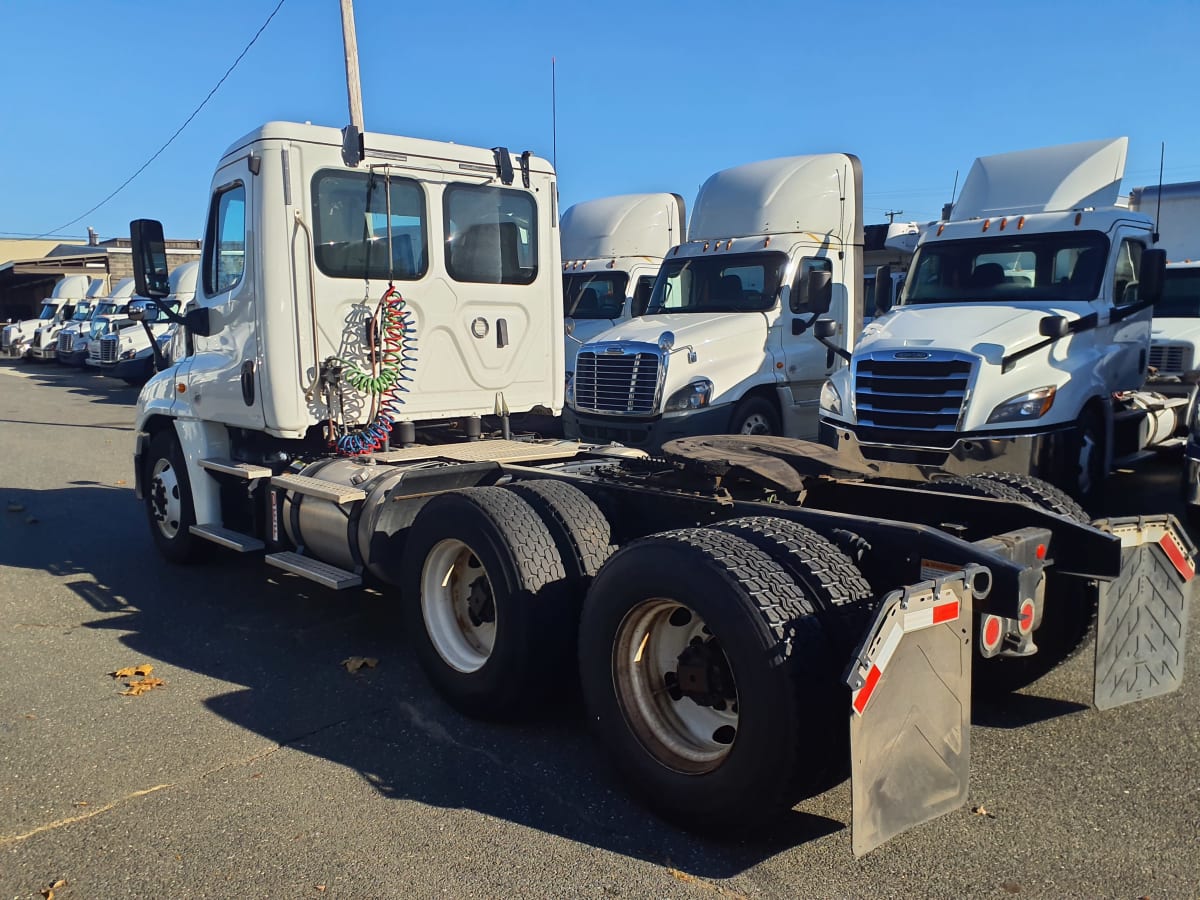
<point x="225" y="242"/>
<point x="798" y="301"/>
<point x="641" y="294"/>
<point x="491" y="235"/>
<point x="353" y="231"/>
<point x="1125" y="279"/>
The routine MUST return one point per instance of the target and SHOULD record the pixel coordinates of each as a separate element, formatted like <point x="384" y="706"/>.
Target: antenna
<point x="1162" y="153"/>
<point x="553" y="115"/>
<point x="948" y="208"/>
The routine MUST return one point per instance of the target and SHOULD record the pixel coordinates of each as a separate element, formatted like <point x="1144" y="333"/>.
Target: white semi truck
<point x="110" y="312"/>
<point x="17" y="338"/>
<point x="751" y="617"/>
<point x="612" y="248"/>
<point x="1022" y="338"/>
<point x="82" y="314"/>
<point x="126" y="352"/>
<point x="725" y="345"/>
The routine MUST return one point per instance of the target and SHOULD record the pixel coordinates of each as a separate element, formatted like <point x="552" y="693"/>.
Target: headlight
<point x="1024" y="407"/>
<point x="831" y="400"/>
<point x="692" y="396"/>
<point x="569" y="395"/>
<point x="129" y="354"/>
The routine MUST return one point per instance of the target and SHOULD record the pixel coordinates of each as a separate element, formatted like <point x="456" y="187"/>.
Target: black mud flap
<point x="1141" y="619"/>
<point x="910" y="717"/>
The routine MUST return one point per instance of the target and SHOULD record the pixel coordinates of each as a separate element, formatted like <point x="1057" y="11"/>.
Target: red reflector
<point x="1026" y="622"/>
<point x="947" y="612"/>
<point x="1041" y="551"/>
<point x="1185" y="566"/>
<point x="991" y="632"/>
<point x="864" y="693"/>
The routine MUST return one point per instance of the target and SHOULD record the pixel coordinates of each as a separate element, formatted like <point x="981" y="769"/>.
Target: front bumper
<point x="49" y="352"/>
<point x="1041" y="453"/>
<point x="646" y="433"/>
<point x="73" y="358"/>
<point x="130" y="368"/>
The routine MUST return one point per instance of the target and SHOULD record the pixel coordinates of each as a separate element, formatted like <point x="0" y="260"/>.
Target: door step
<point x="248" y="471"/>
<point x="340" y="494"/>
<point x="233" y="540"/>
<point x="314" y="570"/>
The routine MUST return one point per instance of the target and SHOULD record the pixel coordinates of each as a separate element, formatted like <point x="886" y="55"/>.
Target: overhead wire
<point x="178" y="131"/>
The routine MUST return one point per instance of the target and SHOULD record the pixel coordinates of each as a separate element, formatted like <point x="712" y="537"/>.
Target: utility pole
<point x="892" y="213"/>
<point x="352" y="140"/>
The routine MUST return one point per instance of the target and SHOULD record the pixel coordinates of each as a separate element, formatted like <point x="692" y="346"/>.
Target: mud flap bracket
<point x="910" y="716"/>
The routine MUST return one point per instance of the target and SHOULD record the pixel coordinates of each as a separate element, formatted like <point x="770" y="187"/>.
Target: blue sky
<point x="652" y="96"/>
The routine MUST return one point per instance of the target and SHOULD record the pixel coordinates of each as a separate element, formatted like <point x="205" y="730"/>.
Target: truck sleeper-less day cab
<point x="724" y="345"/>
<point x="81" y="315"/>
<point x="612" y="248"/>
<point x="111" y="313"/>
<point x="751" y="617"/>
<point x="17" y="337"/>
<point x="1022" y="338"/>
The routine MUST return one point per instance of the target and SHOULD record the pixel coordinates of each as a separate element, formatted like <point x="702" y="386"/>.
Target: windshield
<point x="1009" y="268"/>
<point x="83" y="309"/>
<point x="104" y="309"/>
<point x="1180" y="296"/>
<point x="739" y="282"/>
<point x="594" y="296"/>
<point x="48" y="311"/>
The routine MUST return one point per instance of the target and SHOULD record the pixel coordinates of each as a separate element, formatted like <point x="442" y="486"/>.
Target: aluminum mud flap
<point x="1141" y="619"/>
<point x="910" y="718"/>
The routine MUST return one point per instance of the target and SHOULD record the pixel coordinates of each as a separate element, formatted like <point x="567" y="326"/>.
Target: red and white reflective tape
<point x="943" y="608"/>
<point x="1177" y="555"/>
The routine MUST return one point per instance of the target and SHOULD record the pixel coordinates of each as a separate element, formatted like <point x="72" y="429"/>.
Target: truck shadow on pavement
<point x="281" y="642"/>
<point x="83" y="381"/>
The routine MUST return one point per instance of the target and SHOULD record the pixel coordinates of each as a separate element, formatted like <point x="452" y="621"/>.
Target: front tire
<point x="708" y="677"/>
<point x="755" y="415"/>
<point x="168" y="500"/>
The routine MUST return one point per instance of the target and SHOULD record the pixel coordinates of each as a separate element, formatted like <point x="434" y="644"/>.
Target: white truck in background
<point x="612" y="248"/>
<point x="126" y="352"/>
<point x="890" y="244"/>
<point x="84" y="310"/>
<point x="725" y="344"/>
<point x="1022" y="338"/>
<point x="17" y="338"/>
<point x="110" y="311"/>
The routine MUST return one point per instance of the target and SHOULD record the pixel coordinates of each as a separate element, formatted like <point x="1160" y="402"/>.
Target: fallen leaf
<point x="320" y="887"/>
<point x="133" y="671"/>
<point x="16" y="507"/>
<point x="354" y="663"/>
<point x="80" y="803"/>
<point x="48" y="892"/>
<point x="982" y="810"/>
<point x="140" y="686"/>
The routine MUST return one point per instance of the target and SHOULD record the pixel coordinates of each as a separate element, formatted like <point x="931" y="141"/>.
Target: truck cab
<point x="18" y="338"/>
<point x="107" y="316"/>
<point x="612" y="248"/>
<point x="725" y="344"/>
<point x="65" y="350"/>
<point x="1020" y="319"/>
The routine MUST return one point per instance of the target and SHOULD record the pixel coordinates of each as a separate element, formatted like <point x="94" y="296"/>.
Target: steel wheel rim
<point x="680" y="733"/>
<point x="756" y="423"/>
<point x="166" y="498"/>
<point x="464" y="638"/>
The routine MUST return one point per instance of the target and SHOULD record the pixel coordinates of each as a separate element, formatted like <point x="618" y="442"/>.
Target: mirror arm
<point x="160" y="361"/>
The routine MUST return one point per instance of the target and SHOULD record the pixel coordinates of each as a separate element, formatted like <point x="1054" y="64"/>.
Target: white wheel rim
<point x="165" y="498"/>
<point x="756" y="424"/>
<point x="458" y="605"/>
<point x="679" y="732"/>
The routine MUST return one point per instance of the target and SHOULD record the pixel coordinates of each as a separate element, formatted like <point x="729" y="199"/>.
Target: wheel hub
<point x="481" y="608"/>
<point x="702" y="675"/>
<point x="165" y="503"/>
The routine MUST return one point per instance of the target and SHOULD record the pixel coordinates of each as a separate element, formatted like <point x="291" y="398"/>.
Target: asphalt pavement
<point x="262" y="767"/>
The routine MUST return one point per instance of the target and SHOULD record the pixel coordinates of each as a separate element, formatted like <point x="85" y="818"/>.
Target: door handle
<point x="248" y="382"/>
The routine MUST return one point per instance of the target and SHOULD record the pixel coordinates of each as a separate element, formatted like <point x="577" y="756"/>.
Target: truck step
<point x="322" y="490"/>
<point x="314" y="570"/>
<point x="233" y="540"/>
<point x="248" y="471"/>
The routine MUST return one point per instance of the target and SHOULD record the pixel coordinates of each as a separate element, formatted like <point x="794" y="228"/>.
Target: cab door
<point x="805" y="359"/>
<point x="223" y="377"/>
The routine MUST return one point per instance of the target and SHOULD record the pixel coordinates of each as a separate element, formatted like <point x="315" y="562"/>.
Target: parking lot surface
<point x="262" y="767"/>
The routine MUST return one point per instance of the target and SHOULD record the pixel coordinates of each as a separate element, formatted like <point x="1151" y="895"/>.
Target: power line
<point x="178" y="131"/>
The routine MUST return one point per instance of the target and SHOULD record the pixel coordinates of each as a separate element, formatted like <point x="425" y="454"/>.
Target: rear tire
<point x="709" y="612"/>
<point x="1040" y="493"/>
<point x="485" y="601"/>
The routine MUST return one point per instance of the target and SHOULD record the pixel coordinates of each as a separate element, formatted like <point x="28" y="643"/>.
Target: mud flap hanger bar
<point x="910" y="712"/>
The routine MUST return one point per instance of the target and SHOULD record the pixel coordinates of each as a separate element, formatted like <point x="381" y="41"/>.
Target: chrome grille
<point x="922" y="394"/>
<point x="108" y="348"/>
<point x="624" y="380"/>
<point x="66" y="342"/>
<point x="37" y="338"/>
<point x="1170" y="359"/>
